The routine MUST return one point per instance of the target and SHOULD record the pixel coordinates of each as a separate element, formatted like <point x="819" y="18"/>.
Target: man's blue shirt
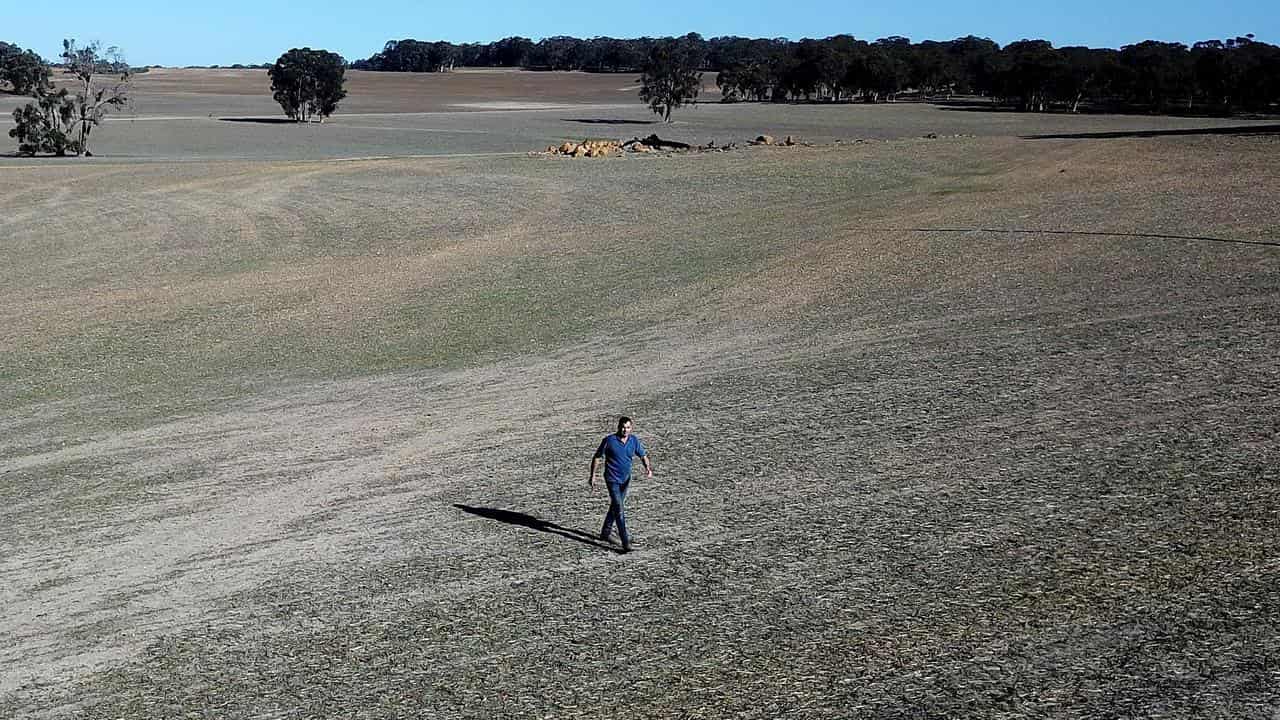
<point x="617" y="457"/>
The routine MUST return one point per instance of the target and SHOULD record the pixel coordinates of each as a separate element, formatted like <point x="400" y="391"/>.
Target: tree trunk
<point x="84" y="132"/>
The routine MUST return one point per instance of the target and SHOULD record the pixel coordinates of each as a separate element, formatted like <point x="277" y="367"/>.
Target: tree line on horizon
<point x="1214" y="76"/>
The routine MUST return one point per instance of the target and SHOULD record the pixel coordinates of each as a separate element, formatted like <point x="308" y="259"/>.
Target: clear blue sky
<point x="224" y="32"/>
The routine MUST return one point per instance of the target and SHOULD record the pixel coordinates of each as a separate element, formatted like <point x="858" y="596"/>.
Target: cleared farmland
<point x="201" y="115"/>
<point x="979" y="425"/>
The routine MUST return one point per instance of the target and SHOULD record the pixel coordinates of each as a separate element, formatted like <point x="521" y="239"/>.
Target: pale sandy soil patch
<point x="509" y="105"/>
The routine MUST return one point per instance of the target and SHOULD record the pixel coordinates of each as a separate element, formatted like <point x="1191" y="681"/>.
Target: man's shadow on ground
<point x="511" y="517"/>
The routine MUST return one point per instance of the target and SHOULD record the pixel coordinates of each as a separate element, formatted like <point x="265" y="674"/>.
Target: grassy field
<point x="296" y="419"/>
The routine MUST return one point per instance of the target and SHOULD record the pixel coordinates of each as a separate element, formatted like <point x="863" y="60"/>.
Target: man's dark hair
<point x="622" y="420"/>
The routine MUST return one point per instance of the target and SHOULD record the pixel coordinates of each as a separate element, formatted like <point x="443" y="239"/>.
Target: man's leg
<point x="615" y="512"/>
<point x="617" y="508"/>
<point x="609" y="518"/>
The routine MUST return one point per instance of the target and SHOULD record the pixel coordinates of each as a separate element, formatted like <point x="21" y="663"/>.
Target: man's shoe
<point x="626" y="548"/>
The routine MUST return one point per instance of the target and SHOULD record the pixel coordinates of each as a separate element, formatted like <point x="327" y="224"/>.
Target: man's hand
<point x="648" y="472"/>
<point x="591" y="481"/>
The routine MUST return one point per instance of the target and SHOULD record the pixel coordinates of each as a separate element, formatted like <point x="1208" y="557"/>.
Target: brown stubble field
<point x="305" y="436"/>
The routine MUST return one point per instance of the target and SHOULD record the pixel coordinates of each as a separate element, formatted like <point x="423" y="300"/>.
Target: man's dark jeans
<point x="617" y="512"/>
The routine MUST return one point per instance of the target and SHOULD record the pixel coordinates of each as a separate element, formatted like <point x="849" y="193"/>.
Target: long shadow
<point x="978" y="106"/>
<point x="263" y="121"/>
<point x="1095" y="233"/>
<point x="15" y="155"/>
<point x="608" y="121"/>
<point x="525" y="520"/>
<point x="986" y="105"/>
<point x="1273" y="129"/>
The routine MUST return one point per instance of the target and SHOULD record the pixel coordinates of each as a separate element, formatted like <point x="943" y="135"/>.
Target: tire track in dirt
<point x="894" y="568"/>
<point x="317" y="473"/>
<point x="271" y="473"/>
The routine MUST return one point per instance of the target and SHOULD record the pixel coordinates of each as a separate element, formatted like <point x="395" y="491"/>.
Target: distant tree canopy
<point x="21" y="70"/>
<point x="1220" y="76"/>
<point x="308" y="83"/>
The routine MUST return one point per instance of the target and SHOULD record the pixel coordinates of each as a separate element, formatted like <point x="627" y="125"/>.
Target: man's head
<point x="624" y="427"/>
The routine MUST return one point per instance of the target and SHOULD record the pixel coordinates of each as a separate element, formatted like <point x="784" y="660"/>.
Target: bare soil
<point x="198" y="115"/>
<point x="977" y="426"/>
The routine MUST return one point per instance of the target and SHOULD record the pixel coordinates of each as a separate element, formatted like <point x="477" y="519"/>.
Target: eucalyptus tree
<point x="308" y="83"/>
<point x="670" y="78"/>
<point x="59" y="122"/>
<point x="103" y="86"/>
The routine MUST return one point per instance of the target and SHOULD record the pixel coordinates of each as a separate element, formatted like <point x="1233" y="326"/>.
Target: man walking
<point x="617" y="450"/>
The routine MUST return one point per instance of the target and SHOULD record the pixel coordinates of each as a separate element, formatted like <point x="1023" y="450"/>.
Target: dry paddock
<point x="975" y="426"/>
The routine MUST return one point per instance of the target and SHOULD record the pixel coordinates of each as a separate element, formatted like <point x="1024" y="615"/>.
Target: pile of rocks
<point x="586" y="148"/>
<point x="607" y="148"/>
<point x="653" y="143"/>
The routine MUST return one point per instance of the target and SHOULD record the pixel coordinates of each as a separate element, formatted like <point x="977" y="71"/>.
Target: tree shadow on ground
<point x="15" y="155"/>
<point x="986" y="105"/>
<point x="262" y="120"/>
<point x="1273" y="129"/>
<point x="520" y="519"/>
<point x="1085" y="233"/>
<point x="608" y="121"/>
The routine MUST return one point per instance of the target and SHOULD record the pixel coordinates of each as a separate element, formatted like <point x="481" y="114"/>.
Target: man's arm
<point x="644" y="458"/>
<point x="591" y="481"/>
